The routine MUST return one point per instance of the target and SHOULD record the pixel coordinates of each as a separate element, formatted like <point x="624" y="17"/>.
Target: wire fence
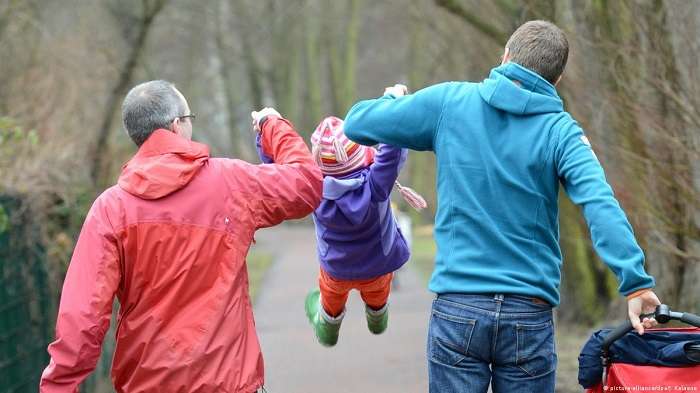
<point x="28" y="304"/>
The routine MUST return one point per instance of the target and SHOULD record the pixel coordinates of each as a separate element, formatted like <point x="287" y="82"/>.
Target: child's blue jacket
<point x="357" y="237"/>
<point x="356" y="234"/>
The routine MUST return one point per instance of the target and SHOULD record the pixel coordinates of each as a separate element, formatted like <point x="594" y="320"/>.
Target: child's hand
<point x="397" y="90"/>
<point x="260" y="116"/>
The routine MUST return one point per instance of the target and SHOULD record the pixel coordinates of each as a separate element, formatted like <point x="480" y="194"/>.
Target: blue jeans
<point x="505" y="340"/>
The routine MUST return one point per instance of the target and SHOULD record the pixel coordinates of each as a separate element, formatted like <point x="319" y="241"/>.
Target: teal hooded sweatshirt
<point x="503" y="147"/>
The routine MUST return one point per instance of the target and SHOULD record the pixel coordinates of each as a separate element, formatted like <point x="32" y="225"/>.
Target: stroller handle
<point x="662" y="314"/>
<point x="691" y="319"/>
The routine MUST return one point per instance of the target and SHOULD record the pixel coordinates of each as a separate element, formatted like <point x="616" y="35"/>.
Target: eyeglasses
<point x="191" y="116"/>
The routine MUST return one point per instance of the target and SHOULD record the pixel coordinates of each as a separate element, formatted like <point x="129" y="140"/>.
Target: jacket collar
<point x="163" y="141"/>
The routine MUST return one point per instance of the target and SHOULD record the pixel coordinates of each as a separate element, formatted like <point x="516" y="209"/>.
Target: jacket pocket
<point x="535" y="352"/>
<point x="449" y="337"/>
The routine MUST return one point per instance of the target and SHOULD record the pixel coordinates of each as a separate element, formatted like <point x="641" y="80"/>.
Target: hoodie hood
<point x="349" y="197"/>
<point x="165" y="163"/>
<point x="515" y="89"/>
<point x="334" y="188"/>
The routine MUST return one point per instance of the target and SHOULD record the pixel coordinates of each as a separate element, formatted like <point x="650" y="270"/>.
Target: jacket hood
<point x="334" y="188"/>
<point x="515" y="89"/>
<point x="164" y="164"/>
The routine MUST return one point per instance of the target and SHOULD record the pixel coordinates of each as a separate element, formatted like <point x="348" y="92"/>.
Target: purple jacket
<point x="356" y="234"/>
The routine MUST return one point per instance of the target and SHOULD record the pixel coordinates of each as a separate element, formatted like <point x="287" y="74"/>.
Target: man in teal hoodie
<point x="503" y="147"/>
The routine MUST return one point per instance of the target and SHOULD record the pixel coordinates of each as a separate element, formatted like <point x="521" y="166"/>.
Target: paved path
<point x="360" y="362"/>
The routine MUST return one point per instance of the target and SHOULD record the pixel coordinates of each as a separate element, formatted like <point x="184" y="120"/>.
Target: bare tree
<point x="136" y="42"/>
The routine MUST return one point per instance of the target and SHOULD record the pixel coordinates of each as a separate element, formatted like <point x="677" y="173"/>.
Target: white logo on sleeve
<point x="586" y="142"/>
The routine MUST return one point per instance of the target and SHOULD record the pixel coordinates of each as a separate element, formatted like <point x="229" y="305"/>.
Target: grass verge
<point x="258" y="264"/>
<point x="423" y="252"/>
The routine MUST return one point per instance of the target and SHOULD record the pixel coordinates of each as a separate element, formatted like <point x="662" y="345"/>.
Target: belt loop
<point x="498" y="297"/>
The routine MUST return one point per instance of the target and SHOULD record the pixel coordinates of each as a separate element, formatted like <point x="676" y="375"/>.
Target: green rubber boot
<point x="377" y="320"/>
<point x="326" y="327"/>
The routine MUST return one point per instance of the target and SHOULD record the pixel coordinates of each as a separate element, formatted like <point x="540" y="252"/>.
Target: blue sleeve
<point x="258" y="147"/>
<point x="410" y="121"/>
<point x="385" y="170"/>
<point x="613" y="239"/>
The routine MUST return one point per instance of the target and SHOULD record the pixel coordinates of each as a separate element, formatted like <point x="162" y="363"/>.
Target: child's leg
<point x="325" y="308"/>
<point x="375" y="293"/>
<point x="334" y="294"/>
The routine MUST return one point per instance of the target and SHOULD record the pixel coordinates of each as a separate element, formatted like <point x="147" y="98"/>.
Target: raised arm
<point x="409" y="121"/>
<point x="385" y="170"/>
<point x="291" y="185"/>
<point x="86" y="305"/>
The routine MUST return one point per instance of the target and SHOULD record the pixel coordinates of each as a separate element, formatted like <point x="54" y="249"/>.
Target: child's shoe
<point x="326" y="327"/>
<point x="377" y="320"/>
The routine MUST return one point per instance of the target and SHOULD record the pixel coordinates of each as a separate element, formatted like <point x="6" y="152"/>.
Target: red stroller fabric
<point x="636" y="378"/>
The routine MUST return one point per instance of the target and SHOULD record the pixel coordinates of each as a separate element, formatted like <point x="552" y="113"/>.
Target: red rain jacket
<point x="170" y="241"/>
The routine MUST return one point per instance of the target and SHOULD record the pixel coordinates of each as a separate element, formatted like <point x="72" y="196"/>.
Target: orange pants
<point x="334" y="292"/>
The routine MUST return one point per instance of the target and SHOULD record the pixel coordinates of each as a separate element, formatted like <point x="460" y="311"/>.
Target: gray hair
<point x="540" y="46"/>
<point x="150" y="106"/>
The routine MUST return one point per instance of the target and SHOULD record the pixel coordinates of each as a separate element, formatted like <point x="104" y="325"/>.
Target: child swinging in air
<point x="358" y="241"/>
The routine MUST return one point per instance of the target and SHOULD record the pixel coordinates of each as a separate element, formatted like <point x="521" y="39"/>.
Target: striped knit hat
<point x="334" y="153"/>
<point x="337" y="155"/>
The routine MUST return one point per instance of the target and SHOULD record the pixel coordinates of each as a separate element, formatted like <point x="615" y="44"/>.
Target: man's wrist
<point x="262" y="121"/>
<point x="638" y="293"/>
<point x="265" y="118"/>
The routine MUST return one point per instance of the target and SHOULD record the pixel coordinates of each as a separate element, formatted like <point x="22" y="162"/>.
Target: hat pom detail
<point x="414" y="199"/>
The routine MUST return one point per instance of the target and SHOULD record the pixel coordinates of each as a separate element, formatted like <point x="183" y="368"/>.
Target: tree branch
<point x="490" y="31"/>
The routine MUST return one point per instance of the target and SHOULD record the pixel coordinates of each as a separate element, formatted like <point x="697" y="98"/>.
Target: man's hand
<point x="261" y="115"/>
<point x="643" y="303"/>
<point x="397" y="90"/>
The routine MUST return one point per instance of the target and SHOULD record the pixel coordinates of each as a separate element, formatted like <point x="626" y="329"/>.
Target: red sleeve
<point x="291" y="187"/>
<point x="86" y="305"/>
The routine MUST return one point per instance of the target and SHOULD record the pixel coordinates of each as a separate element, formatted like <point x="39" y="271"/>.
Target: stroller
<point x="663" y="359"/>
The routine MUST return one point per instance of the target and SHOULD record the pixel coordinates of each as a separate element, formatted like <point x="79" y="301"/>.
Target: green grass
<point x="423" y="252"/>
<point x="569" y="341"/>
<point x="258" y="264"/>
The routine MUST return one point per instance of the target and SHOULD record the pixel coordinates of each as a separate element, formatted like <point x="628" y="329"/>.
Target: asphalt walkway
<point x="360" y="362"/>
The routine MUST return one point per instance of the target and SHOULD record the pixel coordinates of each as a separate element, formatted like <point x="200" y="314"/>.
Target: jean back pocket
<point x="535" y="348"/>
<point x="449" y="337"/>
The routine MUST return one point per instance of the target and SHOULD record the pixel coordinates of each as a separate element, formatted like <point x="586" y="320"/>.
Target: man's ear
<point x="175" y="126"/>
<point x="506" y="56"/>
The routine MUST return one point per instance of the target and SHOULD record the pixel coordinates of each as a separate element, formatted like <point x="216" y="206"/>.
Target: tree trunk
<point x="672" y="167"/>
<point x="227" y="81"/>
<point x="150" y="11"/>
<point x="313" y="58"/>
<point x="350" y="64"/>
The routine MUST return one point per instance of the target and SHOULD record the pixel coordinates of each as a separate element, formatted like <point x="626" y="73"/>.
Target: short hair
<point x="540" y="46"/>
<point x="150" y="106"/>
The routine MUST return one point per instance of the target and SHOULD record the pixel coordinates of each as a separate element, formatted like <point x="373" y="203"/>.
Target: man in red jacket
<point x="170" y="241"/>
